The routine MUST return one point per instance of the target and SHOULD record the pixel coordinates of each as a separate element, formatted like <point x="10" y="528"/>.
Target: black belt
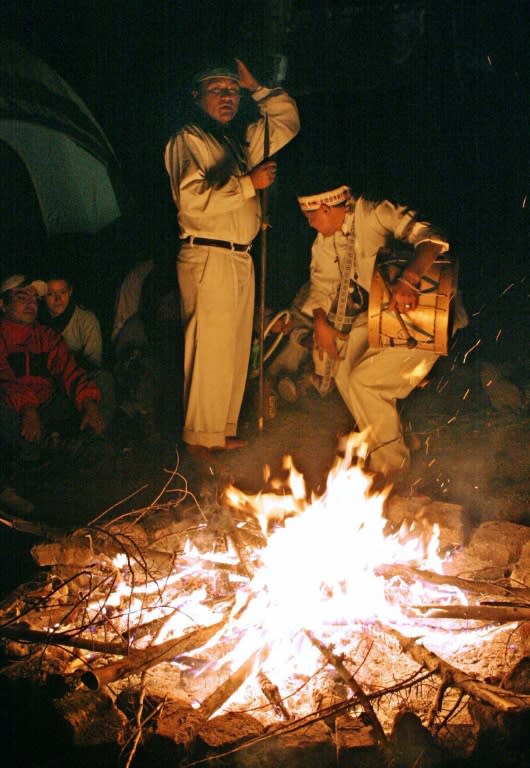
<point x="217" y="243"/>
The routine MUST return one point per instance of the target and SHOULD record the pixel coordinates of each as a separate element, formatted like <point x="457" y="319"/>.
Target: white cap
<point x="19" y="281"/>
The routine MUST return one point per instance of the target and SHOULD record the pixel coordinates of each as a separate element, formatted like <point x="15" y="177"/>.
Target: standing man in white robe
<point x="217" y="164"/>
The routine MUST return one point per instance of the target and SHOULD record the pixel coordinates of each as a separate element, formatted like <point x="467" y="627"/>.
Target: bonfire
<point x="274" y="614"/>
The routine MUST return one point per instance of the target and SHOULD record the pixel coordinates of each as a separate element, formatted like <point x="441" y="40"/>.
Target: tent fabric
<point x="72" y="166"/>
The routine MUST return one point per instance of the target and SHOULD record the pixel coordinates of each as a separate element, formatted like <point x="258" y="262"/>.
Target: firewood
<point x="138" y="661"/>
<point x="237" y="540"/>
<point x="490" y="694"/>
<point x="192" y="722"/>
<point x="412" y="575"/>
<point x="217" y="698"/>
<point x="34" y="527"/>
<point x="272" y="694"/>
<point x="26" y="635"/>
<point x="350" y="680"/>
<point x="500" y="614"/>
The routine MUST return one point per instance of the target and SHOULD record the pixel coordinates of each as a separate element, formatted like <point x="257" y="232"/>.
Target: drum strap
<point x="351" y="300"/>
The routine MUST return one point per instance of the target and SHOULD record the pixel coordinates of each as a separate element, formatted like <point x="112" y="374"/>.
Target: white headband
<point x="333" y="197"/>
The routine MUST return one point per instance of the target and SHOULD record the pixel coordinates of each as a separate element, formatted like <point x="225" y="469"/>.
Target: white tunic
<point x="370" y="380"/>
<point x="216" y="284"/>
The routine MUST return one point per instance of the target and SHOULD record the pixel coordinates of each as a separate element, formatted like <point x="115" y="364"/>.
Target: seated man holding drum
<point x="352" y="230"/>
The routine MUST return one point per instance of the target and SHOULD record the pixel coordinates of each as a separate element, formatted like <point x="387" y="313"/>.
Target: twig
<point x="138" y="719"/>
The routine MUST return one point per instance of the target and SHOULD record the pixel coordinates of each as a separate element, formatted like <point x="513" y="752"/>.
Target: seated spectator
<point x="146" y="353"/>
<point x="48" y="403"/>
<point x="129" y="294"/>
<point x="81" y="331"/>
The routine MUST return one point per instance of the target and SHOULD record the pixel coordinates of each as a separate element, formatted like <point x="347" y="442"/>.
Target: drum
<point x="429" y="326"/>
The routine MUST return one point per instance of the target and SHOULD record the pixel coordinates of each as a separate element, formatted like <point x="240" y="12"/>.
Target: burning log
<point x="500" y="614"/>
<point x="237" y="541"/>
<point x="349" y="679"/>
<point x="272" y="694"/>
<point x="456" y="678"/>
<point x="195" y="720"/>
<point x="139" y="661"/>
<point x="411" y="575"/>
<point x="217" y="698"/>
<point x="34" y="527"/>
<point x="25" y="635"/>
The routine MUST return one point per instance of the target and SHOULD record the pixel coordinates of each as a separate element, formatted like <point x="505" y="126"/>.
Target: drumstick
<point x="411" y="341"/>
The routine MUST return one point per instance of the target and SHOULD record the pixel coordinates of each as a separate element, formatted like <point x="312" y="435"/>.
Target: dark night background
<point x="424" y="100"/>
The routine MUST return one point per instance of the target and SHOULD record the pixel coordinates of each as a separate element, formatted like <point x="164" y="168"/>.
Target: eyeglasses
<point x="218" y="91"/>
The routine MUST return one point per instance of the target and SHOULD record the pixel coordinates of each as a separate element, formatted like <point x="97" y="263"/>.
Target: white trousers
<point x="217" y="303"/>
<point x="370" y="380"/>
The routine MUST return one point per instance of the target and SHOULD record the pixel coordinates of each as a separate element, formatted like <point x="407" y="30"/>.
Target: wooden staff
<point x="264" y="195"/>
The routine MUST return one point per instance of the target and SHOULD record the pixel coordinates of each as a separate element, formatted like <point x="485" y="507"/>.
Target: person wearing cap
<point x="42" y="389"/>
<point x="217" y="165"/>
<point x="350" y="232"/>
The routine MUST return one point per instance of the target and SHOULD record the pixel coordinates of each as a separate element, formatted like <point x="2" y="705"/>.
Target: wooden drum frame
<point x="430" y="325"/>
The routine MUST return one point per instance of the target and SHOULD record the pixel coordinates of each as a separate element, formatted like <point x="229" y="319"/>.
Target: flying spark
<point x="469" y="351"/>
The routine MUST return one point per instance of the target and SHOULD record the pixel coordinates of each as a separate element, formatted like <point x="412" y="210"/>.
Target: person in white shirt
<point x="217" y="164"/>
<point x="351" y="231"/>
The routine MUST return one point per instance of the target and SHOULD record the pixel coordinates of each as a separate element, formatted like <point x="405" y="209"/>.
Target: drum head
<point x="430" y="324"/>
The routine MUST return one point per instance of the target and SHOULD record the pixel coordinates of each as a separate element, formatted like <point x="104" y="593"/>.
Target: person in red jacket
<point x="44" y="394"/>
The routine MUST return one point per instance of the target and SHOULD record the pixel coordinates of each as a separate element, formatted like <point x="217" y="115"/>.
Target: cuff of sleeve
<point x="260" y="92"/>
<point x="437" y="240"/>
<point x="247" y="187"/>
